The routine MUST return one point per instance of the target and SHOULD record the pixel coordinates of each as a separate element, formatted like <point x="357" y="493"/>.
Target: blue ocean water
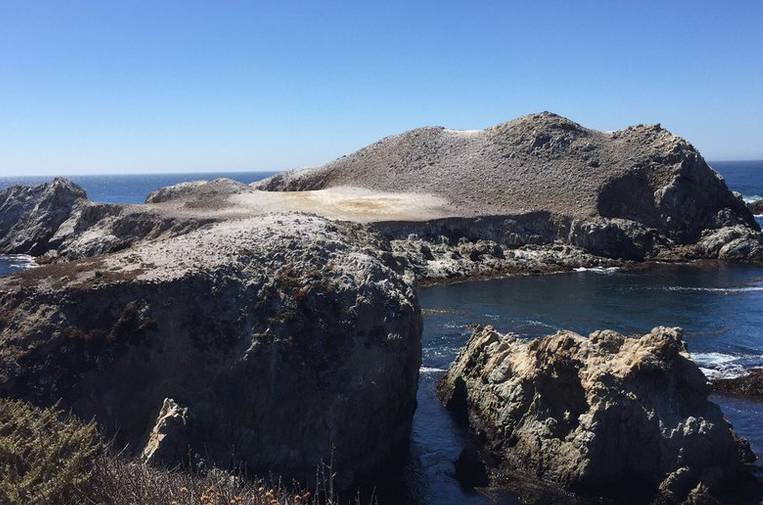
<point x="133" y="188"/>
<point x="746" y="177"/>
<point x="720" y="309"/>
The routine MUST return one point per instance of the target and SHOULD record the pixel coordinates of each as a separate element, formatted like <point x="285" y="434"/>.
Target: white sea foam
<point x="751" y="198"/>
<point x="725" y="291"/>
<point x="431" y="369"/>
<point x="718" y="365"/>
<point x="533" y="322"/>
<point x="19" y="261"/>
<point x="598" y="270"/>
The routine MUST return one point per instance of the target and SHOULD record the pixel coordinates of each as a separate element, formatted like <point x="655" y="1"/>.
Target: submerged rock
<point x="289" y="339"/>
<point x="605" y="415"/>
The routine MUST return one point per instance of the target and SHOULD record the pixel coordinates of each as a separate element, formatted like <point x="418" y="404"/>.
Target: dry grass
<point x="116" y="481"/>
<point x="50" y="458"/>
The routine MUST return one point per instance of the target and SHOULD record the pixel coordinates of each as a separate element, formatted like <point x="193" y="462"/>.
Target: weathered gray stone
<point x="169" y="441"/>
<point x="605" y="415"/>
<point x="287" y="337"/>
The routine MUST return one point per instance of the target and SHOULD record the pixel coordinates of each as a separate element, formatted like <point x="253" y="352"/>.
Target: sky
<point x="137" y="86"/>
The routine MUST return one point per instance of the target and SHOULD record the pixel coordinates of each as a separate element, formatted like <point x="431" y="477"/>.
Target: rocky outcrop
<point x="199" y="194"/>
<point x="750" y="385"/>
<point x="55" y="221"/>
<point x="31" y="215"/>
<point x="281" y="339"/>
<point x="631" y="194"/>
<point x="169" y="442"/>
<point x="756" y="207"/>
<point x="605" y="415"/>
<point x="732" y="243"/>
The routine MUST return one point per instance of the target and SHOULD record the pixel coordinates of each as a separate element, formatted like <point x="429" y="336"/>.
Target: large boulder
<point x="282" y="341"/>
<point x="605" y="415"/>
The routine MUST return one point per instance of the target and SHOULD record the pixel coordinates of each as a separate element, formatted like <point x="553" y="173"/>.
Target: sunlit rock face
<point x="603" y="415"/>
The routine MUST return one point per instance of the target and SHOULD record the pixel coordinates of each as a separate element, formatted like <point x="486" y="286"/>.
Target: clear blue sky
<point x="129" y="86"/>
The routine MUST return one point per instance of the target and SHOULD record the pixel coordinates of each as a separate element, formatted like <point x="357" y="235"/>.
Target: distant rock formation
<point x="756" y="207"/>
<point x="31" y="215"/>
<point x="750" y="385"/>
<point x="56" y="221"/>
<point x="631" y="194"/>
<point x="603" y="415"/>
<point x="282" y="340"/>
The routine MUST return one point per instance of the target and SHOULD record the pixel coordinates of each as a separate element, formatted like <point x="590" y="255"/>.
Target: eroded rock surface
<point x="55" y="221"/>
<point x="31" y="215"/>
<point x="750" y="385"/>
<point x="286" y="337"/>
<point x="631" y="194"/>
<point x="603" y="415"/>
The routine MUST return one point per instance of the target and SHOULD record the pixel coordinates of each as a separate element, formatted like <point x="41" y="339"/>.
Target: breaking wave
<point x="718" y="365"/>
<point x="431" y="369"/>
<point x="724" y="291"/>
<point x="598" y="270"/>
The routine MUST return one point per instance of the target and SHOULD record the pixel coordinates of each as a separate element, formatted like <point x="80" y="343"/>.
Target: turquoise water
<point x="720" y="308"/>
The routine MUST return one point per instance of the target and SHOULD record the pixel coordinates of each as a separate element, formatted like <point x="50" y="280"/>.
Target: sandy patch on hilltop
<point x="345" y="203"/>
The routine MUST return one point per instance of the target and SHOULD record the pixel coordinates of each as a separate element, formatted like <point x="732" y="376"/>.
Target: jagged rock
<point x="287" y="337"/>
<point x="734" y="243"/>
<point x="169" y="441"/>
<point x="747" y="385"/>
<point x="30" y="216"/>
<point x="756" y="207"/>
<point x="605" y="415"/>
<point x="57" y="222"/>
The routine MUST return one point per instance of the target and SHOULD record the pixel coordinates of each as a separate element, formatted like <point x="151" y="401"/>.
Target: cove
<point x="720" y="307"/>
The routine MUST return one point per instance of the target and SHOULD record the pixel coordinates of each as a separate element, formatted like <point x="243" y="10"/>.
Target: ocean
<point x="720" y="309"/>
<point x="133" y="188"/>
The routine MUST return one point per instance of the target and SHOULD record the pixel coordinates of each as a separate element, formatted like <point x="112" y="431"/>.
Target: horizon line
<point x="256" y="170"/>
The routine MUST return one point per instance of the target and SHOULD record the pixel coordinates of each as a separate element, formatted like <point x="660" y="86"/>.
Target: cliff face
<point x="641" y="187"/>
<point x="602" y="415"/>
<point x="30" y="215"/>
<point x="280" y="340"/>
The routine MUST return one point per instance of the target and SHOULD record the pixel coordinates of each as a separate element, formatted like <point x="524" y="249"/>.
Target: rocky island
<point x="278" y="323"/>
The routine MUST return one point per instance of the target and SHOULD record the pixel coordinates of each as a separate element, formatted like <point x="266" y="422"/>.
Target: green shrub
<point x="50" y="458"/>
<point x="44" y="454"/>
